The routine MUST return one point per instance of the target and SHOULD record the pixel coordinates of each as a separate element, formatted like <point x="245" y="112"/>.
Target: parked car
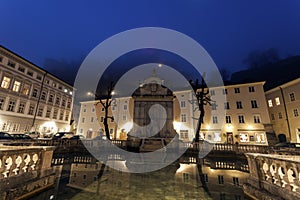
<point x="77" y="137"/>
<point x="33" y="134"/>
<point x="5" y="136"/>
<point x="63" y="135"/>
<point x="48" y="135"/>
<point x="20" y="136"/>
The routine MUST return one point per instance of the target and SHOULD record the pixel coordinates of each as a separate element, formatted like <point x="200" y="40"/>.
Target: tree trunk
<point x="105" y="123"/>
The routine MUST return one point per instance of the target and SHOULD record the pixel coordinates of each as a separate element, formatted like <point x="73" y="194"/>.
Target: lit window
<point x="184" y="134"/>
<point x="292" y="96"/>
<point x="260" y="137"/>
<point x="217" y="137"/>
<point x="295" y="111"/>
<point x="26" y="89"/>
<point x="5" y="82"/>
<point x="254" y="104"/>
<point x="16" y="86"/>
<point x="270" y="103"/>
<point x="183" y="117"/>
<point x="277" y="101"/>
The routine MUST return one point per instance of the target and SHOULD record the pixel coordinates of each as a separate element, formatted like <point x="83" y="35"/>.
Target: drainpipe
<point x="38" y="101"/>
<point x="286" y="114"/>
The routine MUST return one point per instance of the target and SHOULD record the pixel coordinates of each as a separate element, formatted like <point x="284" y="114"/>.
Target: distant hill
<point x="274" y="74"/>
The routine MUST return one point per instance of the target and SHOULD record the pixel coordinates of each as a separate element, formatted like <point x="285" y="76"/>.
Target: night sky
<point x="59" y="34"/>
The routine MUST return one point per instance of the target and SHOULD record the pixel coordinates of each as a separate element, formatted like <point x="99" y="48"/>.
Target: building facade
<point x="246" y="119"/>
<point x="31" y="99"/>
<point x="284" y="107"/>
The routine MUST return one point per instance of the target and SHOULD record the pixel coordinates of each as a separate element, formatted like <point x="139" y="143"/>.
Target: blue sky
<point x="228" y="30"/>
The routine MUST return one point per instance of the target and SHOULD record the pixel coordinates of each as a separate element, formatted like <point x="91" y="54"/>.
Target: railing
<point x="18" y="160"/>
<point x="276" y="174"/>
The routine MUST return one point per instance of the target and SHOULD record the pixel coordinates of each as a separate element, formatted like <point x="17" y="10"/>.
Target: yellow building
<point x="32" y="98"/>
<point x="246" y="119"/>
<point x="284" y="107"/>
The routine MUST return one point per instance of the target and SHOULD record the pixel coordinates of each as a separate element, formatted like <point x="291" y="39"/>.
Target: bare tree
<point x="256" y="58"/>
<point x="105" y="100"/>
<point x="202" y="99"/>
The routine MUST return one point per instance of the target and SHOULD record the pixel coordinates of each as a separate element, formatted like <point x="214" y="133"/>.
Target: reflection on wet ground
<point x="211" y="178"/>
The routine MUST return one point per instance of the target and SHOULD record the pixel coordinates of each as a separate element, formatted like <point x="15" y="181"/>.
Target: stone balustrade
<point x="273" y="176"/>
<point x="22" y="168"/>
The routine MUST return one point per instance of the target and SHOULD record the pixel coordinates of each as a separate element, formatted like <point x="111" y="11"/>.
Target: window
<point x="50" y="99"/>
<point x="48" y="112"/>
<point x="272" y="116"/>
<point x="254" y="104"/>
<point x="125" y="107"/>
<point x="2" y="100"/>
<point x="215" y="119"/>
<point x="241" y="119"/>
<point x="295" y="111"/>
<point x="186" y="177"/>
<point x="236" y="90"/>
<point x="212" y="92"/>
<point x="93" y="109"/>
<point x="43" y="97"/>
<point x="30" y="73"/>
<point x="11" y="105"/>
<point x="111" y="131"/>
<point x="251" y="89"/>
<point x="67" y="116"/>
<point x="256" y="119"/>
<point x="228" y="119"/>
<point x="235" y="181"/>
<point x="63" y="103"/>
<point x="26" y="89"/>
<point x="182" y="104"/>
<point x="21" y="107"/>
<point x="61" y="115"/>
<point x="69" y="104"/>
<point x="214" y="106"/>
<point x="226" y="106"/>
<point x="11" y="64"/>
<point x="31" y="109"/>
<point x="84" y="110"/>
<point x="83" y="120"/>
<point x="124" y="117"/>
<point x="21" y="69"/>
<point x="221" y="179"/>
<point x="102" y="109"/>
<point x="92" y="119"/>
<point x="225" y="91"/>
<point x="292" y="96"/>
<point x="279" y="115"/>
<point x="57" y="101"/>
<point x="55" y="114"/>
<point x="222" y="196"/>
<point x="1" y="58"/>
<point x="183" y="117"/>
<point x="112" y="120"/>
<point x="38" y="77"/>
<point x="239" y="105"/>
<point x="270" y="103"/>
<point x="184" y="134"/>
<point x="40" y="111"/>
<point x="101" y="119"/>
<point x="277" y="101"/>
<point x="47" y="81"/>
<point x="54" y="85"/>
<point x="5" y="82"/>
<point x="35" y="92"/>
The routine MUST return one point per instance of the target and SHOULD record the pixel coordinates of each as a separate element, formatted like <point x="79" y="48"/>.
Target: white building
<point x="246" y="119"/>
<point x="31" y="98"/>
<point x="284" y="107"/>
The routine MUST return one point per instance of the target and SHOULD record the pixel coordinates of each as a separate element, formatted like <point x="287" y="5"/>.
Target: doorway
<point x="229" y="138"/>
